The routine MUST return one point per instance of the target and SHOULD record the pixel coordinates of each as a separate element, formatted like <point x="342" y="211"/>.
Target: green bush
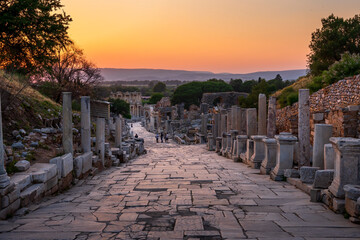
<point x="118" y="106"/>
<point x="292" y="98"/>
<point x="155" y="98"/>
<point x="283" y="97"/>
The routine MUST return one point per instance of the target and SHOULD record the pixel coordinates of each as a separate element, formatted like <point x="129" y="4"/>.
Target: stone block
<point x="87" y="162"/>
<point x="67" y="164"/>
<point x="291" y="173"/>
<point x="22" y="165"/>
<point x="78" y="161"/>
<point x="318" y="116"/>
<point x="95" y="159"/>
<point x="51" y="183"/>
<point x="315" y="195"/>
<point x="57" y="161"/>
<point x="323" y="178"/>
<point x="307" y="174"/>
<point x="10" y="209"/>
<point x="5" y="202"/>
<point x="21" y="180"/>
<point x="42" y="172"/>
<point x="353" y="108"/>
<point x="14" y="195"/>
<point x="352" y="191"/>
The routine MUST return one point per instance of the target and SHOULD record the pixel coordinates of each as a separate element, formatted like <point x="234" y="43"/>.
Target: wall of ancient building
<point x="336" y="104"/>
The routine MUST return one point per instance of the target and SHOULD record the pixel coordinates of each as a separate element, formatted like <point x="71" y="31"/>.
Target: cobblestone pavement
<point x="179" y="192"/>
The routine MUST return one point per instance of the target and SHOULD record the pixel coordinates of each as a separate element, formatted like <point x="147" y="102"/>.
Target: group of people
<point x="163" y="136"/>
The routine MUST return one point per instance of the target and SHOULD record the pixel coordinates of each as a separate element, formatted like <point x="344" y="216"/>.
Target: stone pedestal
<point x="100" y="139"/>
<point x="323" y="133"/>
<point x="4" y="178"/>
<point x="210" y="142"/>
<point x="284" y="155"/>
<point x="227" y="150"/>
<point x="251" y="122"/>
<point x="67" y="138"/>
<point x="241" y="146"/>
<point x="249" y="150"/>
<point x="347" y="162"/>
<point x="262" y="115"/>
<point x="271" y="120"/>
<point x="270" y="156"/>
<point x="259" y="151"/>
<point x="233" y="134"/>
<point x="118" y="132"/>
<point x="223" y="143"/>
<point x="304" y="128"/>
<point x="218" y="144"/>
<point x="85" y="124"/>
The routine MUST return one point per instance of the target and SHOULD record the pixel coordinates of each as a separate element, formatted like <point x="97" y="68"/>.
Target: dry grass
<point x="302" y="82"/>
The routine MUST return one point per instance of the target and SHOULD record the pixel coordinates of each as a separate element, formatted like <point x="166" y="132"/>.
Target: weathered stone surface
<point x="87" y="162"/>
<point x="307" y="174"/>
<point x="304" y="128"/>
<point x="85" y="124"/>
<point x="262" y="115"/>
<point x="42" y="172"/>
<point x="291" y="173"/>
<point x="323" y="178"/>
<point x="251" y="122"/>
<point x="78" y="166"/>
<point x="22" y="165"/>
<point x="259" y="151"/>
<point x="323" y="133"/>
<point x="21" y="180"/>
<point x="352" y="191"/>
<point x="270" y="156"/>
<point x="329" y="156"/>
<point x="67" y="128"/>
<point x="64" y="164"/>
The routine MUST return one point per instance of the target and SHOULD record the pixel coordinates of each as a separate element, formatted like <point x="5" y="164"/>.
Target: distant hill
<point x="121" y="74"/>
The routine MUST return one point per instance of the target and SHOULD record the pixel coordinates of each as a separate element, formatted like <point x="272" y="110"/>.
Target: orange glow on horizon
<point x="208" y="35"/>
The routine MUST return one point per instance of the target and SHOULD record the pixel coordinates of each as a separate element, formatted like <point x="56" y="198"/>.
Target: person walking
<point x="166" y="137"/>
<point x="162" y="137"/>
<point x="157" y="137"/>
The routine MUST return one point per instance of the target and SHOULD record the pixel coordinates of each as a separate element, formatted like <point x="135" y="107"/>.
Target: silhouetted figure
<point x="157" y="137"/>
<point x="162" y="137"/>
<point x="136" y="136"/>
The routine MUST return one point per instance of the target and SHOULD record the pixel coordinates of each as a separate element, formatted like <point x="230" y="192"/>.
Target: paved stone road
<point x="179" y="192"/>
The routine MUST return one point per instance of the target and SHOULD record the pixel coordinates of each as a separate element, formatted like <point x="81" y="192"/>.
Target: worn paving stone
<point x="179" y="192"/>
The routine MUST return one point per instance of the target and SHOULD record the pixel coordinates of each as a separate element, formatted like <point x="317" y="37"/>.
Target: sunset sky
<point x="236" y="36"/>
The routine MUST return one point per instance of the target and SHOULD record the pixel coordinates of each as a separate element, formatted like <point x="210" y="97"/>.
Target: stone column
<point x="329" y="156"/>
<point x="210" y="142"/>
<point x="243" y="122"/>
<point x="204" y="118"/>
<point x="262" y="114"/>
<point x="270" y="156"/>
<point x="251" y="122"/>
<point x="304" y="128"/>
<point x="4" y="178"/>
<point x="100" y="139"/>
<point x="227" y="150"/>
<point x="347" y="162"/>
<point x="233" y="117"/>
<point x="223" y="143"/>
<point x="215" y="131"/>
<point x="118" y="132"/>
<point x="218" y="144"/>
<point x="233" y="134"/>
<point x="323" y="133"/>
<point x="223" y="122"/>
<point x="238" y="119"/>
<point x="85" y="124"/>
<point x="241" y="146"/>
<point x="249" y="150"/>
<point x="259" y="151"/>
<point x="271" y="121"/>
<point x="284" y="155"/>
<point x="67" y="138"/>
<point x="228" y="121"/>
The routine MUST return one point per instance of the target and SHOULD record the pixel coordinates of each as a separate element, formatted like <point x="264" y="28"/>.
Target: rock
<point x="48" y="130"/>
<point x="9" y="151"/>
<point x="75" y="131"/>
<point x="291" y="173"/>
<point x="36" y="130"/>
<point x="15" y="133"/>
<point x="64" y="164"/>
<point x="42" y="172"/>
<point x="24" y="154"/>
<point x="19" y="137"/>
<point x="34" y="144"/>
<point x="22" y="132"/>
<point x="323" y="178"/>
<point x="18" y="145"/>
<point x="352" y="191"/>
<point x="307" y="174"/>
<point x="22" y="165"/>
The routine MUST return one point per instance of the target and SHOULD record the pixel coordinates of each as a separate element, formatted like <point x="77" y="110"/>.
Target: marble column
<point x="118" y="132"/>
<point x="238" y="119"/>
<point x="271" y="120"/>
<point x="228" y="121"/>
<point x="204" y="118"/>
<point x="259" y="151"/>
<point x="249" y="150"/>
<point x="67" y="138"/>
<point x="233" y="117"/>
<point x="4" y="178"/>
<point x="228" y="145"/>
<point x="323" y="133"/>
<point x="223" y="122"/>
<point x="241" y="146"/>
<point x="262" y="115"/>
<point x="251" y="122"/>
<point x="223" y="143"/>
<point x="304" y="128"/>
<point x="243" y="123"/>
<point x="284" y="155"/>
<point x="85" y="124"/>
<point x="347" y="162"/>
<point x="215" y="131"/>
<point x="270" y="156"/>
<point x="100" y="139"/>
<point x="210" y="143"/>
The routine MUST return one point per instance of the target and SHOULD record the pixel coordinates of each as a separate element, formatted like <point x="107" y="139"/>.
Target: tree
<point x="155" y="98"/>
<point x="159" y="87"/>
<point x="119" y="106"/>
<point x="31" y="33"/>
<point x="236" y="84"/>
<point x="336" y="36"/>
<point x="191" y="93"/>
<point x="71" y="72"/>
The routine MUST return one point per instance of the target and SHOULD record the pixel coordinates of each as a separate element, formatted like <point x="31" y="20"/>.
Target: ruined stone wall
<point x="328" y="105"/>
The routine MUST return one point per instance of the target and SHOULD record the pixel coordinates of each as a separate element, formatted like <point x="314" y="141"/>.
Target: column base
<point x="4" y="180"/>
